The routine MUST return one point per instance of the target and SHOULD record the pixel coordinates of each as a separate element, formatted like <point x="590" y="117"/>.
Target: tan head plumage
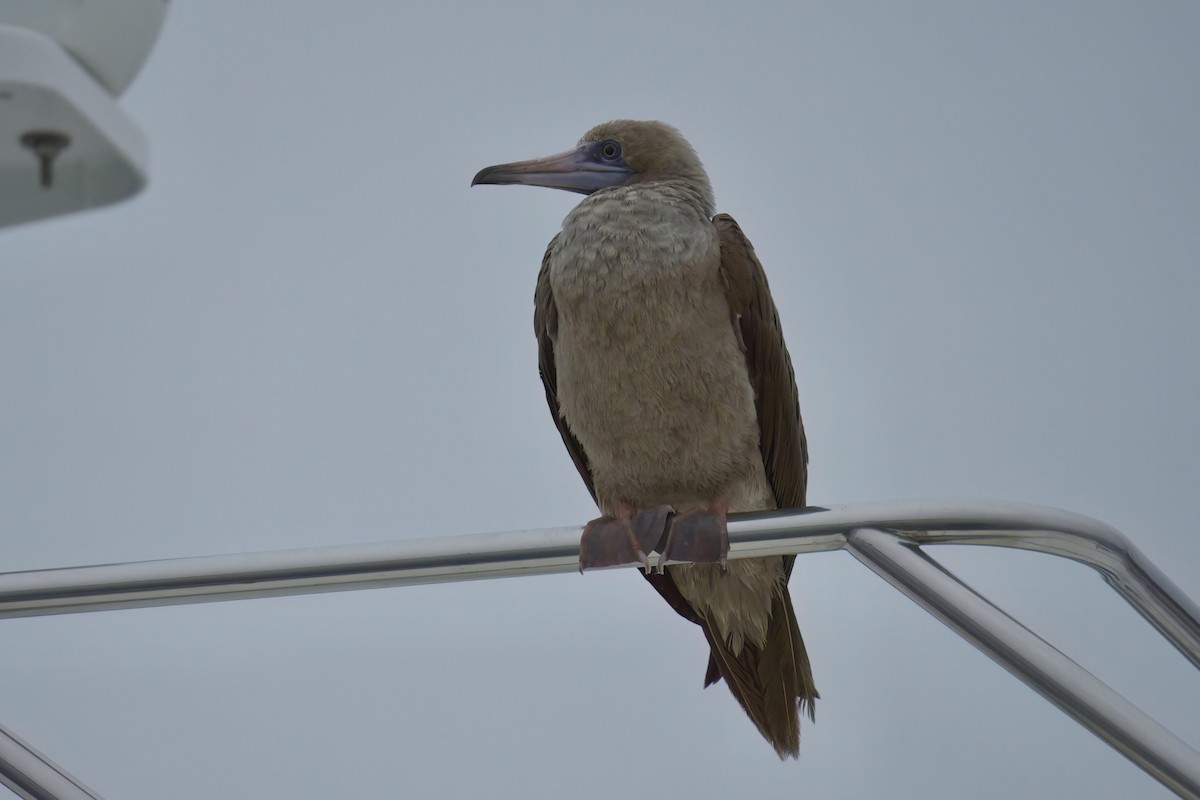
<point x="653" y="150"/>
<point x="617" y="153"/>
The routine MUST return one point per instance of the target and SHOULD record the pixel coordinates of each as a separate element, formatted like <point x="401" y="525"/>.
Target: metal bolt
<point x="46" y="145"/>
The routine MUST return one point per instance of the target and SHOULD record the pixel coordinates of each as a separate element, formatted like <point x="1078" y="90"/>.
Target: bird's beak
<point x="579" y="170"/>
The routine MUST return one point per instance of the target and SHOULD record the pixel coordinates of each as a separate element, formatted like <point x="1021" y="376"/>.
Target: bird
<point x="665" y="369"/>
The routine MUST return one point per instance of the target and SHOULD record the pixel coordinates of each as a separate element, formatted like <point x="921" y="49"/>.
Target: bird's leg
<point x="698" y="537"/>
<point x="624" y="540"/>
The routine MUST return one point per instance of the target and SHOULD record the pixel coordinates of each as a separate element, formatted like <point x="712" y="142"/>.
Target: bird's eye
<point x="610" y="150"/>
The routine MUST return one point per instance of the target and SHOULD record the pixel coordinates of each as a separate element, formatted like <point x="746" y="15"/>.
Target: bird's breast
<point x="651" y="376"/>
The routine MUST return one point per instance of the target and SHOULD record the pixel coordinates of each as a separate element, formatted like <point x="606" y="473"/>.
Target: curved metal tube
<point x="1042" y="667"/>
<point x="554" y="550"/>
<point x="32" y="776"/>
<point x="858" y="528"/>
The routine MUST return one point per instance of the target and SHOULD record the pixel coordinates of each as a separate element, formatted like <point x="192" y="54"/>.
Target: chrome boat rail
<point x="886" y="537"/>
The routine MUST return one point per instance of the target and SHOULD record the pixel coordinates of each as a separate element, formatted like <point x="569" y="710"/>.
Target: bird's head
<point x="617" y="153"/>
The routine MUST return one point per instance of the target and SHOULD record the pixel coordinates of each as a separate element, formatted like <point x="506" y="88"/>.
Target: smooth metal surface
<point x="858" y="528"/>
<point x="32" y="776"/>
<point x="1043" y="668"/>
<point x="555" y="550"/>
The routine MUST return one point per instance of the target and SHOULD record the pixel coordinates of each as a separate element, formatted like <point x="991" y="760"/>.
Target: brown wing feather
<point x="774" y="683"/>
<point x="782" y="443"/>
<point x="545" y="327"/>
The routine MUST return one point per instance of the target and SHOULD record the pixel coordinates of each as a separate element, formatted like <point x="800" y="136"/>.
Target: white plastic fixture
<point x="65" y="144"/>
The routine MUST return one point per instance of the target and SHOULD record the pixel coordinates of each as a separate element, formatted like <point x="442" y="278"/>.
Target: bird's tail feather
<point x="774" y="683"/>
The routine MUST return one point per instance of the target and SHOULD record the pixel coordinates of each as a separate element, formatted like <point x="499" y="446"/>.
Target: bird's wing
<point x="545" y="327"/>
<point x="781" y="438"/>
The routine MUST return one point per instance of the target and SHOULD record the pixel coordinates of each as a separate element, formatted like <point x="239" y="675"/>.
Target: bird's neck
<point x="636" y="242"/>
<point x="693" y="188"/>
<point x="672" y="197"/>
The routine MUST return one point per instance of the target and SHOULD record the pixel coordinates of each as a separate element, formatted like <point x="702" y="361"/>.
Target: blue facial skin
<point x="588" y="168"/>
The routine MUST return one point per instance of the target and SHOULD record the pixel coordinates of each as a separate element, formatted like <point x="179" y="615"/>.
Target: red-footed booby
<point x="666" y="372"/>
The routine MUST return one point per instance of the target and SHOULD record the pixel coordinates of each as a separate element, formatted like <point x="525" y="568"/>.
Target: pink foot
<point x="697" y="537"/>
<point x="623" y="541"/>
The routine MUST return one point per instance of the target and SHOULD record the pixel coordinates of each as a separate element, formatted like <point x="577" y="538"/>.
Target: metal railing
<point x="887" y="537"/>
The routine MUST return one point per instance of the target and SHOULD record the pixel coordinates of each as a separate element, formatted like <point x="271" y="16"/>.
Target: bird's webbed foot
<point x="623" y="541"/>
<point x="697" y="537"/>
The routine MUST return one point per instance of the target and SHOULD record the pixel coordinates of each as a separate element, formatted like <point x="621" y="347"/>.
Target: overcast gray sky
<point x="981" y="227"/>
